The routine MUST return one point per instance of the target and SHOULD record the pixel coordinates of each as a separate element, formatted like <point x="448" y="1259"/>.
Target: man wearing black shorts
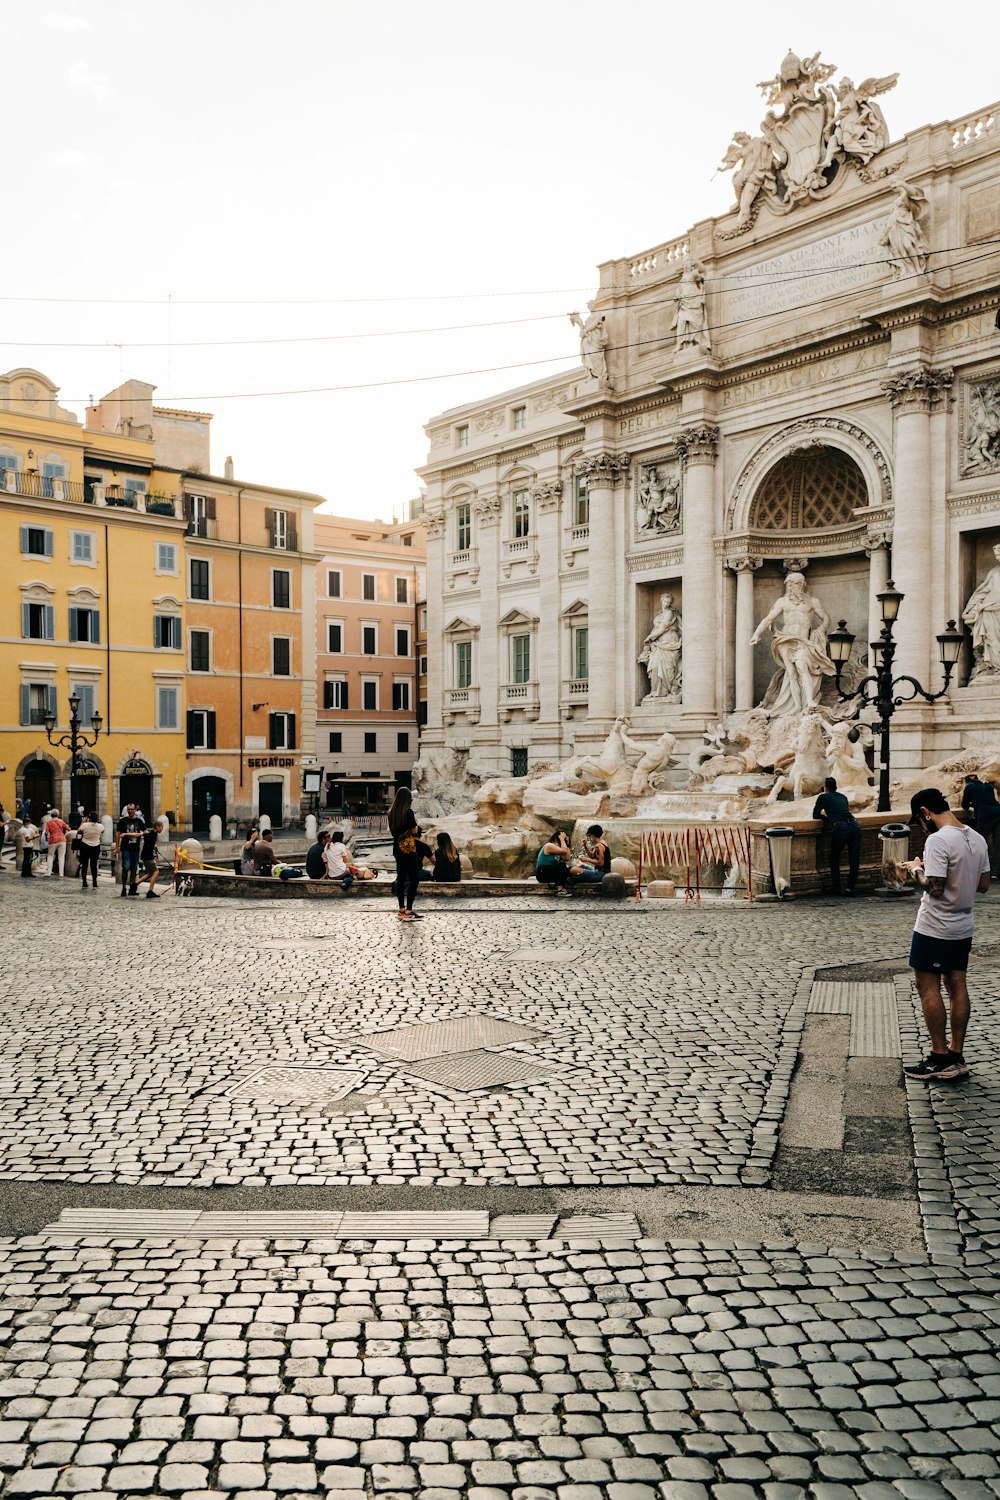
<point x="147" y="858"/>
<point x="956" y="864"/>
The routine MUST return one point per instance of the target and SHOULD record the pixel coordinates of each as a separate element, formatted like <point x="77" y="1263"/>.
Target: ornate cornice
<point x="669" y="557"/>
<point x="698" y="445"/>
<point x="983" y="504"/>
<point x="775" y="544"/>
<point x="605" y="468"/>
<point x="919" y="389"/>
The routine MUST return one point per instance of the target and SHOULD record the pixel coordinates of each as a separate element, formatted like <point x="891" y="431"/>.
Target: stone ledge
<point x="266" y="887"/>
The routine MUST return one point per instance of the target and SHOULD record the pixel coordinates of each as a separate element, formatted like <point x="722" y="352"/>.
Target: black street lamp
<point x="879" y="691"/>
<point x="74" y="742"/>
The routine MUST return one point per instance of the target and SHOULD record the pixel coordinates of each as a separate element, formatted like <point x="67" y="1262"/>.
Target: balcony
<point x="461" y="702"/>
<point x="575" y="691"/>
<point x="576" y="539"/>
<point x="42" y="486"/>
<point x="519" y="696"/>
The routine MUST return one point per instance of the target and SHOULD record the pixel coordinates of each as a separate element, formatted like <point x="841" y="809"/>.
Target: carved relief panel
<point x="658" y="497"/>
<point x="981" y="426"/>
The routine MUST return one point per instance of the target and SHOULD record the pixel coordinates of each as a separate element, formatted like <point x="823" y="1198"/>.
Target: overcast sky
<point x="193" y="180"/>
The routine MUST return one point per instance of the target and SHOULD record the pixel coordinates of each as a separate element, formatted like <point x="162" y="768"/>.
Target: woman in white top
<point x="89" y="833"/>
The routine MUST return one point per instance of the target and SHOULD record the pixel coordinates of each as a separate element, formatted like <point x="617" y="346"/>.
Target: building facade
<point x="92" y="532"/>
<point x="369" y="580"/>
<point x="810" y="383"/>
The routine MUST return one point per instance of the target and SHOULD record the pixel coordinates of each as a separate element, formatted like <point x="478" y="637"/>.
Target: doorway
<point x="38" y="789"/>
<point x="270" y="800"/>
<point x="208" y="800"/>
<point x="137" y="786"/>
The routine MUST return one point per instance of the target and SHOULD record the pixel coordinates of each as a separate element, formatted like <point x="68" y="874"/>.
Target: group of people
<point x="41" y="847"/>
<point x="557" y="866"/>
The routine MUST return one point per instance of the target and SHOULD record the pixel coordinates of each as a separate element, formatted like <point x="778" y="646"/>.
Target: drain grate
<point x="458" y="1034"/>
<point x="469" y="1071"/>
<point x="295" y="1085"/>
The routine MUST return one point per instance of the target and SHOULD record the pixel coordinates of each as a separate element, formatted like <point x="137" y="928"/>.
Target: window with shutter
<point x="192" y="727"/>
<point x="25" y="703"/>
<point x="74" y="625"/>
<point x="328" y="695"/>
<point x="88" y="702"/>
<point x="281" y="589"/>
<point x="368" y="642"/>
<point x="272" y="731"/>
<point x="52" y="702"/>
<point x="281" y="656"/>
<point x="290" y="745"/>
<point x="402" y="641"/>
<point x="210" y="724"/>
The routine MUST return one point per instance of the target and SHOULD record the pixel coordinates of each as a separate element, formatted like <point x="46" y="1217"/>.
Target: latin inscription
<point x="782" y="381"/>
<point x="803" y="278"/>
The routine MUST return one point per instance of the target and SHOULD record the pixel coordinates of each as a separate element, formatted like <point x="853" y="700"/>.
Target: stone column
<point x="877" y="549"/>
<point x="697" y="447"/>
<point x="605" y="473"/>
<point x="913" y="394"/>
<point x="548" y="668"/>
<point x="487" y="508"/>
<point x="744" y="568"/>
<point x="437" y="666"/>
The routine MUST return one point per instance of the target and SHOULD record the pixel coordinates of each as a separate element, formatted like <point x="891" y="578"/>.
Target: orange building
<point x="369" y="580"/>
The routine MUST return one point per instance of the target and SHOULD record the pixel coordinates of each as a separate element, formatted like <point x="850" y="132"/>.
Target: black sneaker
<point x="937" y="1065"/>
<point x="960" y="1063"/>
<point x="152" y="895"/>
<point x="416" y="916"/>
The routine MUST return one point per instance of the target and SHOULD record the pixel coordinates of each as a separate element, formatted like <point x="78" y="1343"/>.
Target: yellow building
<point x="92" y="534"/>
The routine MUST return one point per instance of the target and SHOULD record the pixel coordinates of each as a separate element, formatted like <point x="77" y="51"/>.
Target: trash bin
<point x="779" y="848"/>
<point x="895" y="849"/>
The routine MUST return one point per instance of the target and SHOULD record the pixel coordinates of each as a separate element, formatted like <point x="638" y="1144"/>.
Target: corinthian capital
<point x="747" y="564"/>
<point x="548" y="496"/>
<point x="698" y="445"/>
<point x="919" y="389"/>
<point x="605" y="468"/>
<point x="434" y="524"/>
<point x="487" y="508"/>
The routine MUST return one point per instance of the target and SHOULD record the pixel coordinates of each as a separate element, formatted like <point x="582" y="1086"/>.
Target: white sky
<point x="336" y="168"/>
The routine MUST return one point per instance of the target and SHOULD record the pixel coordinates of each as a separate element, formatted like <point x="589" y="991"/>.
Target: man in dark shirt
<point x="128" y="836"/>
<point x="834" y="811"/>
<point x="980" y="798"/>
<point x="147" y="858"/>
<point x="315" y="863"/>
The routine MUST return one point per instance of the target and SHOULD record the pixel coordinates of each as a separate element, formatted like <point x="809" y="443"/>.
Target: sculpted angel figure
<point x="799" y="647"/>
<point x="593" y="344"/>
<point x="860" y="129"/>
<point x="690" y="319"/>
<point x="753" y="156"/>
<point x="903" y="235"/>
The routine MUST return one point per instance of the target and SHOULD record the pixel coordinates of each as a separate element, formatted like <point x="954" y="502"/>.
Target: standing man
<point x="147" y="858"/>
<point x="834" y="811"/>
<point x="29" y="841"/>
<point x="955" y="866"/>
<point x="980" y="798"/>
<point x="128" y="836"/>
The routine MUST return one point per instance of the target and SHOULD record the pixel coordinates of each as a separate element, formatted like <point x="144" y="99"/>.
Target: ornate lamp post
<point x="879" y="691"/>
<point x="74" y="742"/>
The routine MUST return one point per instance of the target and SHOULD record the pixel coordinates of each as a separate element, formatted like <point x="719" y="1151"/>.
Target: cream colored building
<point x="810" y="384"/>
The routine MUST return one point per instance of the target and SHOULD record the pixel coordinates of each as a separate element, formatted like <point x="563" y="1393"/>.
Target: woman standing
<point x="89" y="833"/>
<point x="405" y="833"/>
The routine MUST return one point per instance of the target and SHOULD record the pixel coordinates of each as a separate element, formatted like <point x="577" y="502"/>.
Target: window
<point x="38" y="622"/>
<point x="519" y="418"/>
<point x="36" y="541"/>
<point x="37" y="700"/>
<point x="408" y="540"/>
<point x="166" y="557"/>
<point x="84" y="625"/>
<point x="336" y="741"/>
<point x="401" y="696"/>
<point x="402" y="741"/>
<point x="200" y="513"/>
<point x="281" y="731"/>
<point x="134" y="488"/>
<point x="423" y="620"/>
<point x="423" y="666"/>
<point x="371" y="744"/>
<point x="369" y="645"/>
<point x="462" y="436"/>
<point x="279" y="530"/>
<point x="87" y="694"/>
<point x="281" y="656"/>
<point x="463" y="527"/>
<point x="520" y="646"/>
<point x="281" y="589"/>
<point x="581" y="646"/>
<point x="519" y="760"/>
<point x="167" y="632"/>
<point x="82" y="546"/>
<point x="368" y="585"/>
<point x="522" y="513"/>
<point x="199" y="578"/>
<point x="581" y="501"/>
<point x="402" y="640"/>
<point x="369" y="694"/>
<point x="166" y="707"/>
<point x="334" y="694"/>
<point x="422" y="713"/>
<point x="201" y="729"/>
<point x="402" y="590"/>
<point x="334" y="636"/>
<point x="463" y="664"/>
<point x="200" y="645"/>
<point x="51" y="470"/>
<point x="333" y="583"/>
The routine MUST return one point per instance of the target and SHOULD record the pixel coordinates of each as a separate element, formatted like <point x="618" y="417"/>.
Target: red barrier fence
<point x="692" y="848"/>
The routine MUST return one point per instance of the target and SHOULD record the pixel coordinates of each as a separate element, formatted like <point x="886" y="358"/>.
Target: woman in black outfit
<point x="405" y="833"/>
<point x="447" y="864"/>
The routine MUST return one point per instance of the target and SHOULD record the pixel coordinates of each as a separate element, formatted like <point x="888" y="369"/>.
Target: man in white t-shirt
<point x="956" y="864"/>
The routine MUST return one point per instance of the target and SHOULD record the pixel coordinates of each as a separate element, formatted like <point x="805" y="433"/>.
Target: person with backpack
<point x="405" y="834"/>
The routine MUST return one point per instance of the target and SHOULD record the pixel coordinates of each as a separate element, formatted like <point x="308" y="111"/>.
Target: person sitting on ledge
<point x="553" y="864"/>
<point x="594" y="856"/>
<point x="265" y="856"/>
<point x="340" y="863"/>
<point x="315" y="860"/>
<point x="447" y="864"/>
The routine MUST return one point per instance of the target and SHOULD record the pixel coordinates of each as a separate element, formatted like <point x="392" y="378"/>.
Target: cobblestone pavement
<point x="162" y="1045"/>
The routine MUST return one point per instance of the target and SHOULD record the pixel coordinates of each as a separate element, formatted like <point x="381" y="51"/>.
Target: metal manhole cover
<point x="468" y="1071"/>
<point x="434" y="1038"/>
<point x="295" y="1085"/>
<point x="545" y="955"/>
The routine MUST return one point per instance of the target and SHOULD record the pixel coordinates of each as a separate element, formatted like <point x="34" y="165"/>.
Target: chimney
<point x="228" y="471"/>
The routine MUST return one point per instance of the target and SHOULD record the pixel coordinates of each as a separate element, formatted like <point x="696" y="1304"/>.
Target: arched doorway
<point x="38" y="782"/>
<point x="135" y="784"/>
<point x="88" y="785"/>
<point x="208" y="799"/>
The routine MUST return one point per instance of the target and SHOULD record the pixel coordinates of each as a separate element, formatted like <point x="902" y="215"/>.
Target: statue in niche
<point x="690" y="319"/>
<point x="983" y="443"/>
<point x="982" y="614"/>
<point x="661" y="654"/>
<point x="798" y="647"/>
<point x="659" y="499"/>
<point x="860" y="129"/>
<point x="903" y="234"/>
<point x="593" y="345"/>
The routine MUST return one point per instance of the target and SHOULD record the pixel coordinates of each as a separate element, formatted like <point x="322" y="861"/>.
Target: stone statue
<point x="983" y="443"/>
<point x="798" y="647"/>
<point x="659" y="499"/>
<point x="661" y="653"/>
<point x="860" y="129"/>
<point x="808" y="768"/>
<point x="712" y="759"/>
<point x="593" y="344"/>
<point x="982" y="613"/>
<point x="690" y="319"/>
<point x="903" y="235"/>
<point x="753" y="157"/>
<point x="845" y="753"/>
<point x="646" y="776"/>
